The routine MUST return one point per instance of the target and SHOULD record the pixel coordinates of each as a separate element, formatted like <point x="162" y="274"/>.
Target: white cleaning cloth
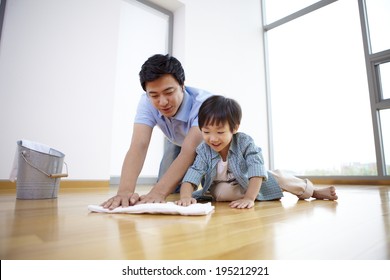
<point x="158" y="208"/>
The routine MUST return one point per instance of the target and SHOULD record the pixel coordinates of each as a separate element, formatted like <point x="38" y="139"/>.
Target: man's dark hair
<point x="159" y="65"/>
<point x="217" y="110"/>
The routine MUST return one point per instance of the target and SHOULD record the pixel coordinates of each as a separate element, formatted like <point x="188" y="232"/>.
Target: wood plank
<point x="357" y="226"/>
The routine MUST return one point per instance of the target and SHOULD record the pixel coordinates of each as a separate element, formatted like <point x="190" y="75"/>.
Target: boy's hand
<point x="242" y="203"/>
<point x="186" y="201"/>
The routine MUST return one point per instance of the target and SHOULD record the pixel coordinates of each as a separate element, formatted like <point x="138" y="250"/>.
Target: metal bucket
<point x="39" y="173"/>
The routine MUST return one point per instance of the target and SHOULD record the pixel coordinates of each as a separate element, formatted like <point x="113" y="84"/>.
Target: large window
<point x="375" y="21"/>
<point x="321" y="101"/>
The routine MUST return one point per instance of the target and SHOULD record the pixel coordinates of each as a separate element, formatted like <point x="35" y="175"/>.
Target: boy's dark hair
<point x="159" y="65"/>
<point x="217" y="110"/>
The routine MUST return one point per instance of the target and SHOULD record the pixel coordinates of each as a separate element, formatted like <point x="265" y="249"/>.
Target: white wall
<point x="223" y="52"/>
<point x="57" y="72"/>
<point x="132" y="53"/>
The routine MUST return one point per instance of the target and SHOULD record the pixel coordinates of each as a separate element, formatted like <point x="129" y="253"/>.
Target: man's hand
<point x="123" y="200"/>
<point x="152" y="197"/>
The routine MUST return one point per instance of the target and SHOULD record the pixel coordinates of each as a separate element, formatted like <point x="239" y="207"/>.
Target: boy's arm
<point x="248" y="201"/>
<point x="253" y="188"/>
<point x="186" y="198"/>
<point x="175" y="173"/>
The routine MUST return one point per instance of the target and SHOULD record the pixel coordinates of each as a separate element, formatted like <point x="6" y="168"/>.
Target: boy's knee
<point x="280" y="177"/>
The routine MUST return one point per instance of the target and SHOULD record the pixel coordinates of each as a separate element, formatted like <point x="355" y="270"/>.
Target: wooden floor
<point x="355" y="227"/>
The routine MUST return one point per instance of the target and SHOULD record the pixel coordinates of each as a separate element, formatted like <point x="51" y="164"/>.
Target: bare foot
<point x="325" y="193"/>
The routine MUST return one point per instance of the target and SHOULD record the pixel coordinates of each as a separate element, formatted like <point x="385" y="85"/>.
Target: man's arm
<point x="131" y="168"/>
<point x="175" y="173"/>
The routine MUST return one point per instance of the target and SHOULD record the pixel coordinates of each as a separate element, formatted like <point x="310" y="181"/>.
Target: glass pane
<point x="321" y="116"/>
<point x="277" y="9"/>
<point x="384" y="70"/>
<point x="385" y="124"/>
<point x="378" y="13"/>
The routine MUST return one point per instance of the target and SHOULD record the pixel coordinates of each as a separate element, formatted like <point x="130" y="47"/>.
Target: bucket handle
<point x="54" y="175"/>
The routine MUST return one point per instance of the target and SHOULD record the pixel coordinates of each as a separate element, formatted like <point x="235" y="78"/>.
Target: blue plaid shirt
<point x="245" y="160"/>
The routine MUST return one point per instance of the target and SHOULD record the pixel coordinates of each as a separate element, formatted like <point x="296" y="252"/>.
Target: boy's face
<point x="218" y="137"/>
<point x="166" y="95"/>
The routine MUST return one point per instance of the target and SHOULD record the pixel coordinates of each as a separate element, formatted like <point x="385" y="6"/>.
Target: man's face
<point x="166" y="95"/>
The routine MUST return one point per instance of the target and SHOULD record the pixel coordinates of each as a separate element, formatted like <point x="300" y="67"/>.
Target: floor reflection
<point x="37" y="220"/>
<point x="156" y="236"/>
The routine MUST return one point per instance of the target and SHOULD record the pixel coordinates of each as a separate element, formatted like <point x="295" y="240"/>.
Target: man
<point x="173" y="107"/>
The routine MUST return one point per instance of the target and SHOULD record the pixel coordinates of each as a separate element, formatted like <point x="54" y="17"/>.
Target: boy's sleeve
<point x="255" y="161"/>
<point x="197" y="170"/>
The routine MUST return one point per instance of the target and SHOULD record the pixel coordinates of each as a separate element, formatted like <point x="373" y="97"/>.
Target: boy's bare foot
<point x="325" y="193"/>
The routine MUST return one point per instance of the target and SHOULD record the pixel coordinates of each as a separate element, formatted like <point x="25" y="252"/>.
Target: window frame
<point x="373" y="60"/>
<point x="2" y="12"/>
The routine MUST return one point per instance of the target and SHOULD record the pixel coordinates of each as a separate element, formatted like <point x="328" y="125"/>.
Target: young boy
<point x="232" y="165"/>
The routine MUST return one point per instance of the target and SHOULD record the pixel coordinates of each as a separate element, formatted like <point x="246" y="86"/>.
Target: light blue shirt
<point x="177" y="127"/>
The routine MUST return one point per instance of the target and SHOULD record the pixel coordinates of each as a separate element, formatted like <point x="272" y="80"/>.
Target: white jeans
<point x="302" y="188"/>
